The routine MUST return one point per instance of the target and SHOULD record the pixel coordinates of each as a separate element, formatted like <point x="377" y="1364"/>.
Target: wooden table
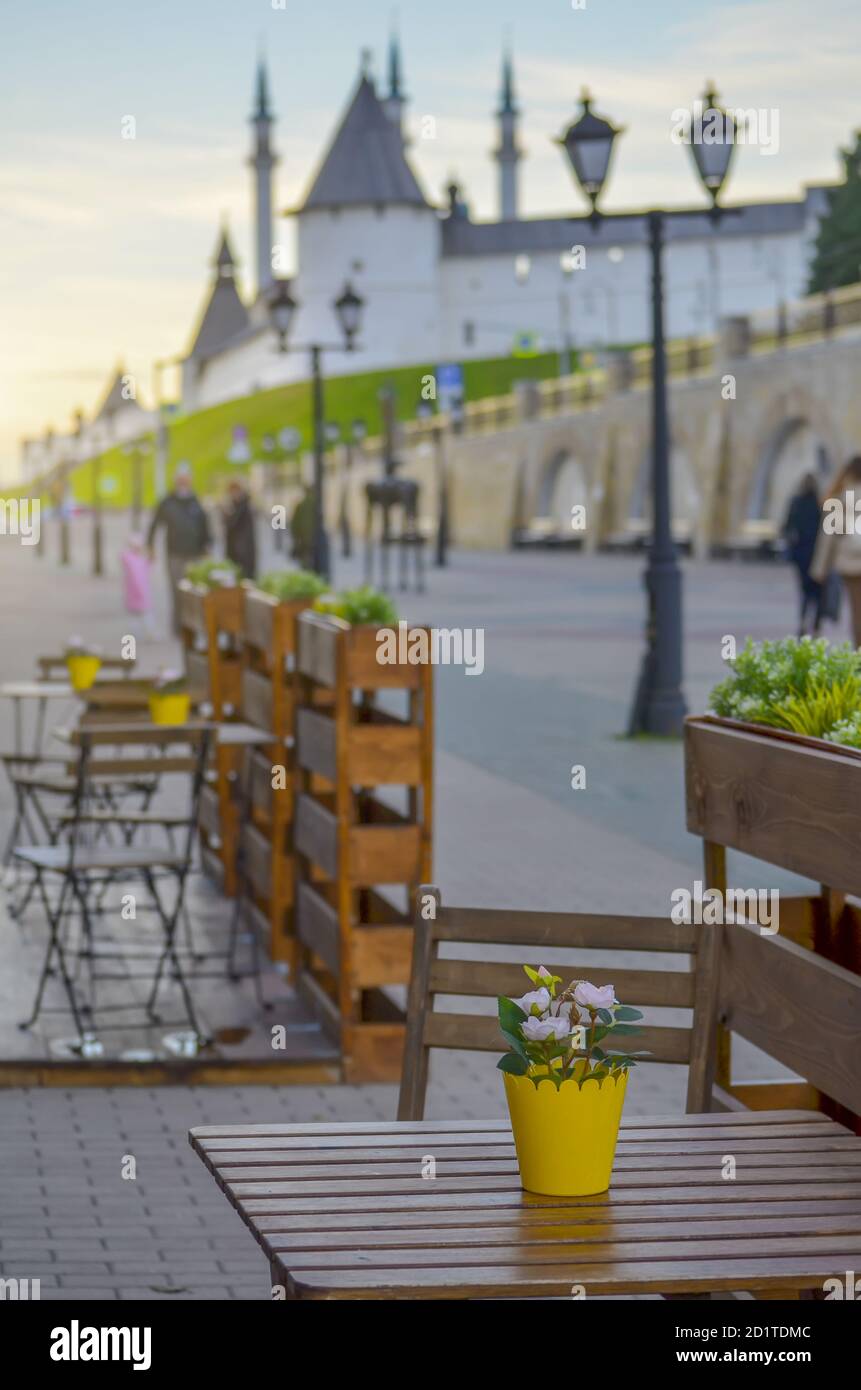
<point x="343" y="1211"/>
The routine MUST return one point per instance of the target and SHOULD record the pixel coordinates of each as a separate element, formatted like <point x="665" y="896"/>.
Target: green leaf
<point x="626" y="1015"/>
<point x="605" y="1015"/>
<point x="533" y="974"/>
<point x="513" y="1064"/>
<point x="599" y="1033"/>
<point x="510" y="1015"/>
<point x="597" y="1075"/>
<point x="516" y="1043"/>
<point x="624" y="1030"/>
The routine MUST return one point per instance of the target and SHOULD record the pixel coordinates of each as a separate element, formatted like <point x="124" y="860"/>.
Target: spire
<point x="507" y="153"/>
<point x="262" y="161"/>
<point x="507" y="104"/>
<point x="262" y="109"/>
<point x="224" y="260"/>
<point x="395" y="100"/>
<point x="395" y="90"/>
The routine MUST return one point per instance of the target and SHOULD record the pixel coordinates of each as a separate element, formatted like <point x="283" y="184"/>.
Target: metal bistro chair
<point x="84" y="863"/>
<point x="471" y="974"/>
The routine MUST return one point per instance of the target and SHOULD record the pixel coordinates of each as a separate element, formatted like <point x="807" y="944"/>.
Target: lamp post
<point x="659" y="704"/>
<point x="348" y="309"/>
<point x="98" y="540"/>
<point x="357" y="432"/>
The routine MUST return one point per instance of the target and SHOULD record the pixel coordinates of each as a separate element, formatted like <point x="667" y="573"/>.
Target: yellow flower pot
<point x="565" y="1137"/>
<point x="83" y="670"/>
<point x="170" y="709"/>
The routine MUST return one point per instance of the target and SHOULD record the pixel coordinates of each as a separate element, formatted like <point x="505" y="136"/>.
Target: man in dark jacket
<point x="800" y="531"/>
<point x="240" y="544"/>
<point x="187" y="533"/>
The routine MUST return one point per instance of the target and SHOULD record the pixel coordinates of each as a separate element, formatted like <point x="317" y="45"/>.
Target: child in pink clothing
<point x="137" y="591"/>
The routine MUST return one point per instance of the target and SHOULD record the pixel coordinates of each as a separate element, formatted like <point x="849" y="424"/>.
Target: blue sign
<point x="449" y="387"/>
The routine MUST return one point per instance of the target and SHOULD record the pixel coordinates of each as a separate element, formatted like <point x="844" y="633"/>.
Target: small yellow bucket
<point x="169" y="709"/>
<point x="83" y="670"/>
<point x="565" y="1137"/>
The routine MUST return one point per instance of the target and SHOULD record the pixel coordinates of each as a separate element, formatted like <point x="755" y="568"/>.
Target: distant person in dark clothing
<point x="302" y="530"/>
<point x="187" y="533"/>
<point x="800" y="531"/>
<point x="240" y="543"/>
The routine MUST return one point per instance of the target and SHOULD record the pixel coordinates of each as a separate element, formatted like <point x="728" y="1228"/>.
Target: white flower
<point x="535" y="1001"/>
<point x="595" y="996"/>
<point x="539" y="1029"/>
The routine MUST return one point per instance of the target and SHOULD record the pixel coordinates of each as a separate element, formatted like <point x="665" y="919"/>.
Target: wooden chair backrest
<point x="540" y="934"/>
<point x="797" y="1006"/>
<point x="52" y="666"/>
<point x="154" y="749"/>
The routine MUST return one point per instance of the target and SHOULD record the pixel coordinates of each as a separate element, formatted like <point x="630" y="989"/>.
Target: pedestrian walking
<point x="137" y="589"/>
<point x="302" y="530"/>
<point x="838" y="551"/>
<point x="801" y="532"/>
<point x="240" y="542"/>
<point x="187" y="533"/>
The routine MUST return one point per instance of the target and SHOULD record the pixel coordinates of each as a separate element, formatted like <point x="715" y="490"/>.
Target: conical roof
<point x="224" y="314"/>
<point x="114" y="399"/>
<point x="365" y="164"/>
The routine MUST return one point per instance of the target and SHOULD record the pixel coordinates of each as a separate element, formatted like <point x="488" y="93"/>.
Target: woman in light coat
<point x="839" y="546"/>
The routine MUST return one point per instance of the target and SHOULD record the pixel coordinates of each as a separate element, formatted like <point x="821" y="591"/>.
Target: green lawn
<point x="204" y="438"/>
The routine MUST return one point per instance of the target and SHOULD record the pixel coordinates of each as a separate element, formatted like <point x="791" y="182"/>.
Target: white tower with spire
<point x="262" y="161"/>
<point x="507" y="154"/>
<point x="395" y="100"/>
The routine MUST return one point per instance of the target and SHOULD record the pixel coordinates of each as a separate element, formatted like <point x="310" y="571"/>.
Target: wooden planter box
<point x="790" y="800"/>
<point x="331" y="652"/>
<point x="213" y="619"/>
<point x="268" y="645"/>
<point x="219" y="818"/>
<point x="353" y="944"/>
<point x="210" y="611"/>
<point x="794" y="802"/>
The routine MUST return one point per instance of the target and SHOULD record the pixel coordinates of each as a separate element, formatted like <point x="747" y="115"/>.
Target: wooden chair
<point x="540" y="934"/>
<point x="800" y="1008"/>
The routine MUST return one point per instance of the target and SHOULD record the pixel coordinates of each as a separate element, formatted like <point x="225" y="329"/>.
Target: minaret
<point x="395" y="99"/>
<point x="507" y="154"/>
<point x="262" y="161"/>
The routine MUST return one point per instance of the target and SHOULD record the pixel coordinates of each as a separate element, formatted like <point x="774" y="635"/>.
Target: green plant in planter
<point x="213" y="574"/>
<point x="559" y="1035"/>
<point x="800" y="684"/>
<point x="289" y="586"/>
<point x="170" y="683"/>
<point x="357" y="606"/>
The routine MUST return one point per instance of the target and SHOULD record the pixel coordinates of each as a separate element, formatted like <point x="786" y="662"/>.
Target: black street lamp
<point x="348" y="308"/>
<point x="659" y="704"/>
<point x="356" y="433"/>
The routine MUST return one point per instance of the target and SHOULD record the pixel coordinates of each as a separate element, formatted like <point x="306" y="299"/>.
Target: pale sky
<point x="106" y="241"/>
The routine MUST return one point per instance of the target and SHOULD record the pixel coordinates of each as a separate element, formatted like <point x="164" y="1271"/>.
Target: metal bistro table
<point x="353" y="1210"/>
